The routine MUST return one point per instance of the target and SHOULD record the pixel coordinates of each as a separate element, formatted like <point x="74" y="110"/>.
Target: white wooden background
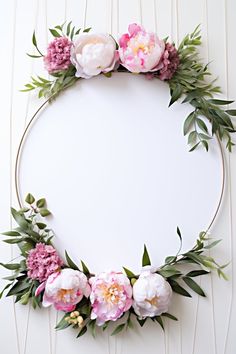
<point x="205" y="327"/>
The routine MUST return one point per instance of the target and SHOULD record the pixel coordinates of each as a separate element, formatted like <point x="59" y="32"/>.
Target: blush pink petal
<point x="40" y="288"/>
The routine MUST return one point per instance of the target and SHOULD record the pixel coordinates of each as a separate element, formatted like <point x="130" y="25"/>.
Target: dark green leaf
<point x="202" y="125"/>
<point x="21" y="221"/>
<point x="82" y="332"/>
<point x="175" y="94"/>
<point x="194" y="286"/>
<point x="196" y="273"/>
<point x="41" y="225"/>
<point x="231" y="112"/>
<point x="85" y="268"/>
<point x="169" y="272"/>
<point x="118" y="329"/>
<point x="11" y="266"/>
<point x="11" y="233"/>
<point x="62" y="324"/>
<point x="68" y="28"/>
<point x="145" y="260"/>
<point x="41" y="203"/>
<point x="11" y="241"/>
<point x="34" y="41"/>
<point x="158" y="319"/>
<point x="220" y="102"/>
<point x="178" y="289"/>
<point x="129" y="273"/>
<point x="166" y="314"/>
<point x="170" y="259"/>
<point x="34" y="56"/>
<point x="87" y="29"/>
<point x="29" y="198"/>
<point x="18" y="288"/>
<point x="141" y="321"/>
<point x="54" y="32"/>
<point x="78" y="31"/>
<point x="5" y="288"/>
<point x="189" y="122"/>
<point x="70" y="263"/>
<point x="44" y="212"/>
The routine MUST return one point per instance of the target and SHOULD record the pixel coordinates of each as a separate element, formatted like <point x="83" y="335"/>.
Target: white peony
<point x="151" y="294"/>
<point x="92" y="54"/>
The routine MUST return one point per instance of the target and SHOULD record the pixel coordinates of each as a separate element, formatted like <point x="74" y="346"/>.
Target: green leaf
<point x="118" y="329"/>
<point x="82" y="332"/>
<point x="175" y="94"/>
<point x="41" y="225"/>
<point x="25" y="247"/>
<point x="85" y="268"/>
<point x="11" y="233"/>
<point x="192" y="137"/>
<point x="25" y="298"/>
<point x="194" y="286"/>
<point x="145" y="260"/>
<point x="220" y="102"/>
<point x="170" y="259"/>
<point x="231" y="112"/>
<point x="166" y="314"/>
<point x="194" y="147"/>
<point x="34" y="56"/>
<point x="169" y="271"/>
<point x="68" y="28"/>
<point x="5" y="288"/>
<point x="41" y="203"/>
<point x="195" y="257"/>
<point x="29" y="199"/>
<point x="189" y="122"/>
<point x="18" y="288"/>
<point x="44" y="212"/>
<point x="11" y="266"/>
<point x="92" y="326"/>
<point x="62" y="324"/>
<point x="70" y="263"/>
<point x="202" y="125"/>
<point x="87" y="29"/>
<point x="54" y="32"/>
<point x="212" y="244"/>
<point x="12" y="241"/>
<point x="21" y="221"/>
<point x="178" y="289"/>
<point x="158" y="319"/>
<point x="141" y="321"/>
<point x="179" y="233"/>
<point x="129" y="273"/>
<point x="196" y="273"/>
<point x="34" y="41"/>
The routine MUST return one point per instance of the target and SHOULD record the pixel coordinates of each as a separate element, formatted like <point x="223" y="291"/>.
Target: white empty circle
<point x="111" y="159"/>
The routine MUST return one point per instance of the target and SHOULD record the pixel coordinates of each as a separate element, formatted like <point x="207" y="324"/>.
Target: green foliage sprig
<point x="191" y="81"/>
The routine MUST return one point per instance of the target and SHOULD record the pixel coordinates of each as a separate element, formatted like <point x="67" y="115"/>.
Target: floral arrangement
<point x="74" y="54"/>
<point x="42" y="277"/>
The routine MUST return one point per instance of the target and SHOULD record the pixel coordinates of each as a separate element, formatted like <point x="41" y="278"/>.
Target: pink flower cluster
<point x="139" y="52"/>
<point x="42" y="261"/>
<point x="58" y="55"/>
<point x="169" y="62"/>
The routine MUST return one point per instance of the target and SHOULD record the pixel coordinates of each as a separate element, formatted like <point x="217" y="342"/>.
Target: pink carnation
<point x="42" y="261"/>
<point x="58" y="55"/>
<point x="169" y="62"/>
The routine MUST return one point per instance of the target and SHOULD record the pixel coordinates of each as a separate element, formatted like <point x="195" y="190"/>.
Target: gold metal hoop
<point x="35" y="116"/>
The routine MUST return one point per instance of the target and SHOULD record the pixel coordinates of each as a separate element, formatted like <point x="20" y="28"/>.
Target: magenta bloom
<point x="111" y="296"/>
<point x="42" y="261"/>
<point x="169" y="62"/>
<point x="58" y="55"/>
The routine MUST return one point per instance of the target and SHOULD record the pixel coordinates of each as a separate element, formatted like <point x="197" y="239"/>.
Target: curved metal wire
<point x="35" y="116"/>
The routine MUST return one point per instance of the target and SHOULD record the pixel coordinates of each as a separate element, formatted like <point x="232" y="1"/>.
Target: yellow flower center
<point x="153" y="301"/>
<point x="112" y="293"/>
<point x="65" y="295"/>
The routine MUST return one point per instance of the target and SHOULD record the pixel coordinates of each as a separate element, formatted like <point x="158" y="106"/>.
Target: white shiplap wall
<point x="205" y="327"/>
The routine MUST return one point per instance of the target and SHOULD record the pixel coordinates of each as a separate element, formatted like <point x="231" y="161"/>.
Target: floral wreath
<point x="42" y="277"/>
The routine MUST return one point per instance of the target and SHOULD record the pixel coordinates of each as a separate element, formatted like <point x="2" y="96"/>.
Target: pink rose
<point x="140" y="51"/>
<point x="111" y="296"/>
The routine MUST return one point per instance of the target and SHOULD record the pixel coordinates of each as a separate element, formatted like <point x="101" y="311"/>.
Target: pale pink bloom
<point x="42" y="261"/>
<point x="65" y="289"/>
<point x="140" y="51"/>
<point x="58" y="55"/>
<point x="111" y="296"/>
<point x="151" y="293"/>
<point x="93" y="54"/>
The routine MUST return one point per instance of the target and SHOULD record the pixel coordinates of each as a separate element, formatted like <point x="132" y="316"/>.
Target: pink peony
<point x="111" y="296"/>
<point x="58" y="55"/>
<point x="42" y="261"/>
<point x="169" y="62"/>
<point x="65" y="289"/>
<point x="140" y="51"/>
